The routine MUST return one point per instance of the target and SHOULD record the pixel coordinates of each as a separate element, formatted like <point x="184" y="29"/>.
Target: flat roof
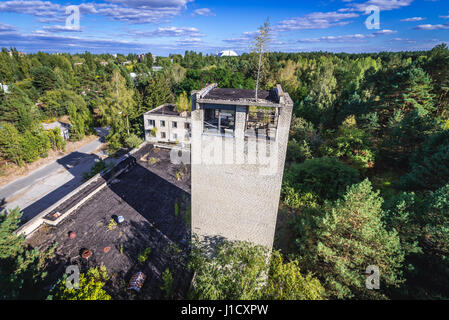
<point x="241" y="94"/>
<point x="156" y="206"/>
<point x="166" y="110"/>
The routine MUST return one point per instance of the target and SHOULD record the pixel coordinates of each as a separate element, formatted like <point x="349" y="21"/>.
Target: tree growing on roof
<point x="261" y="43"/>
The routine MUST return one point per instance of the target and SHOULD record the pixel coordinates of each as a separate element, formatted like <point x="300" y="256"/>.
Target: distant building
<point x="228" y="53"/>
<point x="63" y="127"/>
<point x="104" y="63"/>
<point x="157" y="68"/>
<point x="165" y="124"/>
<point x="78" y="63"/>
<point x="126" y="62"/>
<point x="21" y="54"/>
<point x="141" y="57"/>
<point x="4" y="87"/>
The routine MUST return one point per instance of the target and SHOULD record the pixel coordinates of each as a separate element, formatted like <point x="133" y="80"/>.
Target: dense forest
<point x="367" y="173"/>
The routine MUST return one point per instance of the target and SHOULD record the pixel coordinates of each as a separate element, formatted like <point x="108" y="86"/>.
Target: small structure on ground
<point x="165" y="124"/>
<point x="228" y="53"/>
<point x="63" y="127"/>
<point x="4" y="87"/>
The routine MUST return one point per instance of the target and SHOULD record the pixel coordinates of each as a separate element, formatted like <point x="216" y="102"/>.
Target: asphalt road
<point x="46" y="185"/>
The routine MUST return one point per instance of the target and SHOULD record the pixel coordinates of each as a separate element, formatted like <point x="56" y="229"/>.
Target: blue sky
<point x="173" y="26"/>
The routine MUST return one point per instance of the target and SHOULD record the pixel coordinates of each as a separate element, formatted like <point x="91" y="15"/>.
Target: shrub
<point x="327" y="178"/>
<point x="167" y="287"/>
<point x="133" y="141"/>
<point x="243" y="271"/>
<point x="98" y="167"/>
<point x="91" y="287"/>
<point x="144" y="255"/>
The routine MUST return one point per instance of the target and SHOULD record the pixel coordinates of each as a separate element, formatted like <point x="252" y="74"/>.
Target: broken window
<point x="219" y="121"/>
<point x="261" y="122"/>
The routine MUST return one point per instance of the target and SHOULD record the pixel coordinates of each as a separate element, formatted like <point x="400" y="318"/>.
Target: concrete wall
<point x="169" y="130"/>
<point x="239" y="198"/>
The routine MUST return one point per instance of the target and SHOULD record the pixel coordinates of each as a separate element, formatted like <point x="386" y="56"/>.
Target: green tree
<point x="351" y="145"/>
<point x="242" y="271"/>
<point x="182" y="103"/>
<point x="348" y="237"/>
<point x="44" y="79"/>
<point x="22" y="269"/>
<point x="11" y="144"/>
<point x="325" y="177"/>
<point x="422" y="221"/>
<point x="429" y="166"/>
<point x="261" y="43"/>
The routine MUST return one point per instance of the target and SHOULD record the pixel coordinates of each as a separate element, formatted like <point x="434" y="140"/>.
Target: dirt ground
<point x="10" y="172"/>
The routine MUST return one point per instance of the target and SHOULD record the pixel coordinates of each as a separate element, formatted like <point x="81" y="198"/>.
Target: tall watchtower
<point x="239" y="146"/>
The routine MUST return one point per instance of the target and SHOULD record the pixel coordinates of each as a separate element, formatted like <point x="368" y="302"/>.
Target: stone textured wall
<point x="236" y="201"/>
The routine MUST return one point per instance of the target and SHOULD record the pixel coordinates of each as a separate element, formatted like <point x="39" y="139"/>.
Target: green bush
<point x="98" y="167"/>
<point x="133" y="141"/>
<point x="326" y="178"/>
<point x="242" y="271"/>
<point x="91" y="287"/>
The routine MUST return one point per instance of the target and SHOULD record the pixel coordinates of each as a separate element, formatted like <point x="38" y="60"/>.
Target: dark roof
<point x="168" y="110"/>
<point x="241" y="94"/>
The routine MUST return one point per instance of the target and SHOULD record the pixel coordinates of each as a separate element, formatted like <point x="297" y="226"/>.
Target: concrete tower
<point x="239" y="146"/>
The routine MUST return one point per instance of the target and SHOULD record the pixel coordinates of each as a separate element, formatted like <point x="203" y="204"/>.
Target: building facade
<point x="238" y="152"/>
<point x="164" y="124"/>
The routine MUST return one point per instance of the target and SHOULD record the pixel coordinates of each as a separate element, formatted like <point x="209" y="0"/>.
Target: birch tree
<point x="261" y="43"/>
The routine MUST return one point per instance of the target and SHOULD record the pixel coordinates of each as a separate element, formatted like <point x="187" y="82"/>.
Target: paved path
<point x="46" y="185"/>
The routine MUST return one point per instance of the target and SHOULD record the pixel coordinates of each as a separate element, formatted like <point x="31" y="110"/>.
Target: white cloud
<point x="131" y="11"/>
<point x="204" y="12"/>
<point x="61" y="29"/>
<point x="7" y="27"/>
<point x="316" y="20"/>
<point x="384" y="5"/>
<point x="432" y="27"/>
<point x="170" y="32"/>
<point x="348" y="38"/>
<point x="414" y="19"/>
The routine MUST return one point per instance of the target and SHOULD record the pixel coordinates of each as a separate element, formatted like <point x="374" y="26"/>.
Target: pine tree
<point x="22" y="269"/>
<point x="347" y="238"/>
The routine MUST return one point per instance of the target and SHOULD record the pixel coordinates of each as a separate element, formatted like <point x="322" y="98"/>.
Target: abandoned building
<point x="239" y="146"/>
<point x="230" y="190"/>
<point x="165" y="124"/>
<point x="153" y="198"/>
<point x="62" y="126"/>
